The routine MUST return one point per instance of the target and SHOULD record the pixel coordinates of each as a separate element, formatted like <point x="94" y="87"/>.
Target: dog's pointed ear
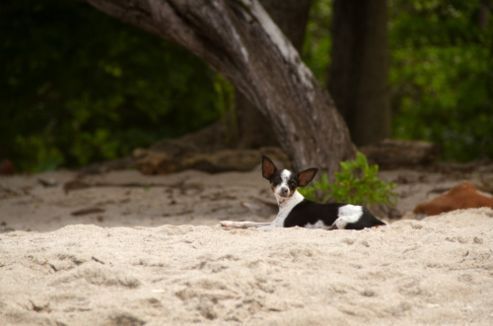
<point x="305" y="176"/>
<point x="268" y="167"/>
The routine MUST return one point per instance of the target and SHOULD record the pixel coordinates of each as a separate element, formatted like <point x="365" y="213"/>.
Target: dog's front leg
<point x="243" y="224"/>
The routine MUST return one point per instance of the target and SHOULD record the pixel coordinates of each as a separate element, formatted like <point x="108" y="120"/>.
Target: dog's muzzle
<point x="284" y="192"/>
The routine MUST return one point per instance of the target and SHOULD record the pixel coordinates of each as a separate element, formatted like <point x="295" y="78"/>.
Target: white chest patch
<point x="285" y="208"/>
<point x="348" y="214"/>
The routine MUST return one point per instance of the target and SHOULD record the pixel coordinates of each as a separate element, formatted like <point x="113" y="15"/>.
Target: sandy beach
<point x="117" y="254"/>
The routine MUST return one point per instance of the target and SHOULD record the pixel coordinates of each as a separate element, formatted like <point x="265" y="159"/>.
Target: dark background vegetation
<point x="77" y="86"/>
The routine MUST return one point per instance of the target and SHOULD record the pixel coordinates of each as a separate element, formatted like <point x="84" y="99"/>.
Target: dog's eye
<point x="292" y="183"/>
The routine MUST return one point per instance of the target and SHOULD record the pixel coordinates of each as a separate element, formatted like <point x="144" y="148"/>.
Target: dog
<point x="295" y="210"/>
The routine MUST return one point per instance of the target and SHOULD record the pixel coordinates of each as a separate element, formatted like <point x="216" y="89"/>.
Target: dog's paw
<point x="227" y="224"/>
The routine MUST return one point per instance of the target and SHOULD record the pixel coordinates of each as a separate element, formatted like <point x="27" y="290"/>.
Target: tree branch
<point x="239" y="39"/>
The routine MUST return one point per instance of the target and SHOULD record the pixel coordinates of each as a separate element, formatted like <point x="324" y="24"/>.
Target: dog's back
<point x="333" y="215"/>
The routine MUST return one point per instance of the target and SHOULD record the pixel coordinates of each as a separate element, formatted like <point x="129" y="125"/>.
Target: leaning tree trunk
<point x="238" y="38"/>
<point x="359" y="68"/>
<point x="291" y="16"/>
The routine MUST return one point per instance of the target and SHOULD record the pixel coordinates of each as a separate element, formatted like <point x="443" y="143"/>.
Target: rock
<point x="157" y="162"/>
<point x="112" y="165"/>
<point x="7" y="167"/>
<point x="153" y="162"/>
<point x="208" y="139"/>
<point x="464" y="195"/>
<point x="206" y="150"/>
<point x="395" y="153"/>
<point x="226" y="160"/>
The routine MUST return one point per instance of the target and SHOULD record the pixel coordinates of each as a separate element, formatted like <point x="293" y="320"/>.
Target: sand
<point x="155" y="255"/>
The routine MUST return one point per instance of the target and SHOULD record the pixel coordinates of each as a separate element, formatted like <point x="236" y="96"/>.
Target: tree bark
<point x="484" y="13"/>
<point x="359" y="68"/>
<point x="291" y="16"/>
<point x="238" y="39"/>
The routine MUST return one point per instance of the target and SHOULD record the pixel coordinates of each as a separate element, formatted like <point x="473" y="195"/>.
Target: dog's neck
<point x="289" y="202"/>
<point x="285" y="207"/>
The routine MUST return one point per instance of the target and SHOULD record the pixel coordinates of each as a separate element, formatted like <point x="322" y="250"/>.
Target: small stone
<point x="478" y="240"/>
<point x="348" y="241"/>
<point x="368" y="293"/>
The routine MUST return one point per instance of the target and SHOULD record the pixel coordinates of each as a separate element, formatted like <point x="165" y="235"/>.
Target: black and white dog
<point x="295" y="210"/>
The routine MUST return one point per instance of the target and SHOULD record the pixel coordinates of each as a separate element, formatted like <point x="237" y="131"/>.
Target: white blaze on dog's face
<point x="284" y="182"/>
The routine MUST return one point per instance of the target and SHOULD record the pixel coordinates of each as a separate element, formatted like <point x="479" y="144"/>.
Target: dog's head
<point x="284" y="182"/>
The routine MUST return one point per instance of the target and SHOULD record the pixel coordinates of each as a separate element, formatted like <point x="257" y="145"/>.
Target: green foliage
<point x="226" y="105"/>
<point x="317" y="45"/>
<point x="357" y="182"/>
<point x="442" y="75"/>
<point x="78" y="86"/>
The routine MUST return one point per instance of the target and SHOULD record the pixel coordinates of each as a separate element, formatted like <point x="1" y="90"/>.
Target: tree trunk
<point x="291" y="16"/>
<point x="238" y="38"/>
<point x="359" y="69"/>
<point x="484" y="13"/>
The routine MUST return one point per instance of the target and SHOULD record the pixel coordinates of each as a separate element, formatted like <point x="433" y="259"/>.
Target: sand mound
<point x="438" y="270"/>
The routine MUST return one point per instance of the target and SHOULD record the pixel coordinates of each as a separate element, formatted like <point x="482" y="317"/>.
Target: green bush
<point x="357" y="182"/>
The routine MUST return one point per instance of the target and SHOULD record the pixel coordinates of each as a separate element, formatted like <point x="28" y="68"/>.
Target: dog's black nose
<point x="284" y="191"/>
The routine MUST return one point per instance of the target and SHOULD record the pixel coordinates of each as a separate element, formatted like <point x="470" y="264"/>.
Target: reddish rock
<point x="7" y="167"/>
<point x="464" y="195"/>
